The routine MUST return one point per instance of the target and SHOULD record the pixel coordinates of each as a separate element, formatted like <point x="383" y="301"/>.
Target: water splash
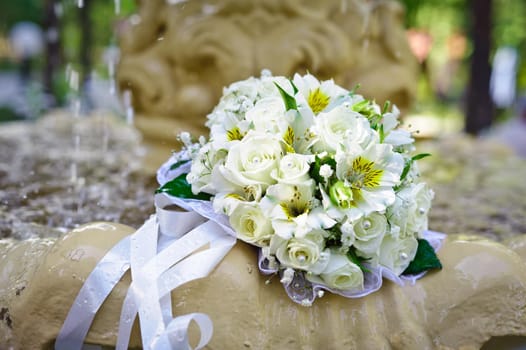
<point x="128" y="107"/>
<point x="58" y="9"/>
<point x="52" y="181"/>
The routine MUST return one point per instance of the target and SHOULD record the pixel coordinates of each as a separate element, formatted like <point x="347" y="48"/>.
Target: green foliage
<point x="12" y="12"/>
<point x="179" y="187"/>
<point x="7" y="114"/>
<point x="408" y="164"/>
<point x="314" y="171"/>
<point x="425" y="259"/>
<point x="178" y="164"/>
<point x="358" y="260"/>
<point x="290" y="101"/>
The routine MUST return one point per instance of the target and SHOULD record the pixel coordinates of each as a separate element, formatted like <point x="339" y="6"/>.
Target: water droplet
<point x="125" y="267"/>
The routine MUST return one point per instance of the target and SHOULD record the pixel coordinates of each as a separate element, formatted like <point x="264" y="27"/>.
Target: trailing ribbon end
<point x="156" y="270"/>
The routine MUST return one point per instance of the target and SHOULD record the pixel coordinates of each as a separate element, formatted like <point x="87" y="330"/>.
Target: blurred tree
<point x="86" y="41"/>
<point x="503" y="23"/>
<point x="12" y="12"/>
<point x="479" y="106"/>
<point x="52" y="33"/>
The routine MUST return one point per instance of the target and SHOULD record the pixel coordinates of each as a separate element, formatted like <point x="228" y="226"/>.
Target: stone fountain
<point x="176" y="59"/>
<point x="175" y="62"/>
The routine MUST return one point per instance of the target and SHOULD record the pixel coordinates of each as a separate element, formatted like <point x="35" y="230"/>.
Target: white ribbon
<point x="162" y="256"/>
<point x="96" y="288"/>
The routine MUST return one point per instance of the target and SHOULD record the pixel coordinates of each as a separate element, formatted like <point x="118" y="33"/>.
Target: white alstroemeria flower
<point x="294" y="210"/>
<point x="369" y="232"/>
<point x="200" y="175"/>
<point x="251" y="225"/>
<point x="307" y="253"/>
<point x="390" y="120"/>
<point x="397" y="254"/>
<point x="341" y="127"/>
<point x="250" y="161"/>
<point x="293" y="169"/>
<point x="318" y="96"/>
<point x="224" y="136"/>
<point x="368" y="180"/>
<point x="399" y="137"/>
<point x="341" y="273"/>
<point x="411" y="208"/>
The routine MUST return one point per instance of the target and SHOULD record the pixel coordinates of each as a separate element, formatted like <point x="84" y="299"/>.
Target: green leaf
<point x="358" y="107"/>
<point x="290" y="101"/>
<point x="387" y="104"/>
<point x="294" y="87"/>
<point x="314" y="171"/>
<point x="406" y="170"/>
<point x="179" y="187"/>
<point x="420" y="156"/>
<point x="407" y="166"/>
<point x="425" y="259"/>
<point x="382" y="133"/>
<point x="358" y="260"/>
<point x="178" y="164"/>
<point x="354" y="89"/>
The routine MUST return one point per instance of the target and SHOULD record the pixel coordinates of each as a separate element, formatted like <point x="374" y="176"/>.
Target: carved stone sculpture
<point x="178" y="55"/>
<point x="479" y="294"/>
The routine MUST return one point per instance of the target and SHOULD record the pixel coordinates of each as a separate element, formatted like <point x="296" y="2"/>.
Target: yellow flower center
<point x="363" y="174"/>
<point x="295" y="206"/>
<point x="234" y="134"/>
<point x="318" y="100"/>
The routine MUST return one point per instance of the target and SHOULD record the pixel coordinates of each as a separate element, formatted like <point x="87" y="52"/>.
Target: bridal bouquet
<point x="320" y="179"/>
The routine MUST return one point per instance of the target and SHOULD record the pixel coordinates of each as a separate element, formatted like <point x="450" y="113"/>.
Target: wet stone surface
<point x="480" y="187"/>
<point x="61" y="172"/>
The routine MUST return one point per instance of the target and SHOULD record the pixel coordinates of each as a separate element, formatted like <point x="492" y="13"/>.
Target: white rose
<point x="268" y="115"/>
<point x="251" y="160"/>
<point x="307" y="253"/>
<point x="293" y="170"/>
<point x="411" y="208"/>
<point x="369" y="232"/>
<point x="396" y="254"/>
<point x="341" y="126"/>
<point x="251" y="225"/>
<point x="343" y="274"/>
